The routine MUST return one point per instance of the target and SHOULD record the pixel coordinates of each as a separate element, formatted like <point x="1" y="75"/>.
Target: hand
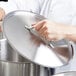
<point x="2" y="14"/>
<point x="50" y="30"/>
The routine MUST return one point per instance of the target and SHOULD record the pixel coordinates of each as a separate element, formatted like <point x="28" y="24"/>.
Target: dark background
<point x="4" y="0"/>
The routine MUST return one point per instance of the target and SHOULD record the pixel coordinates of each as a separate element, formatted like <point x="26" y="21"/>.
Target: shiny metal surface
<point x="1" y="34"/>
<point x="72" y="73"/>
<point x="13" y="64"/>
<point x="19" y="69"/>
<point x="29" y="46"/>
<point x="7" y="53"/>
<point x="27" y="69"/>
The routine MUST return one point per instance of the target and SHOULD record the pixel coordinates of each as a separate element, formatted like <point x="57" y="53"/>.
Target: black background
<point x="4" y="0"/>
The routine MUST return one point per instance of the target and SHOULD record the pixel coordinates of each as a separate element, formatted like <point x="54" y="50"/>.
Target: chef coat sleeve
<point x="8" y="6"/>
<point x="28" y="5"/>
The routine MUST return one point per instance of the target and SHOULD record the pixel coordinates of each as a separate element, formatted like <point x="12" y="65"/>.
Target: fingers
<point x="39" y="25"/>
<point x="47" y="32"/>
<point x="2" y="14"/>
<point x="41" y="28"/>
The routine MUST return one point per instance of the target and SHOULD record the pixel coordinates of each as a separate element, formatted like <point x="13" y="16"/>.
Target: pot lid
<point x="28" y="45"/>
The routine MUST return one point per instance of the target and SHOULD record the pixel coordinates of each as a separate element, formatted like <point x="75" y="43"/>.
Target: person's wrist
<point x="69" y="30"/>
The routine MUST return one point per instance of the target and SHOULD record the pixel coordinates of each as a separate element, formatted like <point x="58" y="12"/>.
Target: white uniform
<point x="56" y="10"/>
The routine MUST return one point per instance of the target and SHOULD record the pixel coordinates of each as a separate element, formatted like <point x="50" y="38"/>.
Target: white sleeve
<point x="29" y="5"/>
<point x="8" y="6"/>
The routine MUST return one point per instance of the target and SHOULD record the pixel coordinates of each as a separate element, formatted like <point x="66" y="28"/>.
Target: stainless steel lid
<point x="30" y="46"/>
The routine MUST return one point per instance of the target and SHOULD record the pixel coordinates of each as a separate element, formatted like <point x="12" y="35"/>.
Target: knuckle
<point x="45" y="21"/>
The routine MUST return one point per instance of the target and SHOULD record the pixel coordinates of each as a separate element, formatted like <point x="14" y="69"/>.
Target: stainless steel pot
<point x="18" y="69"/>
<point x="30" y="46"/>
<point x="13" y="64"/>
<point x="7" y="53"/>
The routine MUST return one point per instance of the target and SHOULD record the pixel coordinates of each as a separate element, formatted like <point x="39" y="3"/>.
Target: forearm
<point x="56" y="31"/>
<point x="70" y="33"/>
<point x="71" y="37"/>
